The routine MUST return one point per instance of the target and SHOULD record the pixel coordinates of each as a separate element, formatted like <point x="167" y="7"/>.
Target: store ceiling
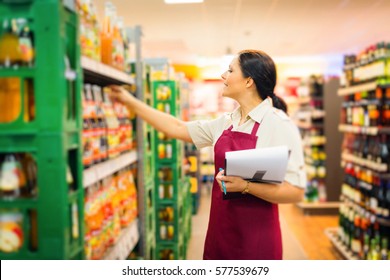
<point x="280" y="27"/>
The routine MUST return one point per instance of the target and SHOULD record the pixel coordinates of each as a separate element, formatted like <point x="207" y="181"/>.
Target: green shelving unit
<point x="52" y="218"/>
<point x="173" y="205"/>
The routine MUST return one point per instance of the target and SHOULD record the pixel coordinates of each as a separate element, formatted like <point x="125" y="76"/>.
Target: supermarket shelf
<point x="309" y="125"/>
<point x="104" y="72"/>
<point x="319" y="207"/>
<point x="358" y="88"/>
<point x="331" y="233"/>
<point x="125" y="244"/>
<point x="369" y="130"/>
<point x="364" y="162"/>
<point x="375" y="173"/>
<point x="102" y="170"/>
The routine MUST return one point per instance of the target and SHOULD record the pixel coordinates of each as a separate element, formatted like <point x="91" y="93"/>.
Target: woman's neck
<point x="246" y="108"/>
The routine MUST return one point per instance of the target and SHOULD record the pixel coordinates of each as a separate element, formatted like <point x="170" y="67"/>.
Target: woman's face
<point x="233" y="80"/>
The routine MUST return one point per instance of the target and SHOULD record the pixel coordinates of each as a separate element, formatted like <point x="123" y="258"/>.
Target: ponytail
<point x="279" y="103"/>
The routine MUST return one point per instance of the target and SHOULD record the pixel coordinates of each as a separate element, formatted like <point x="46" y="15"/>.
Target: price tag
<point x="70" y="4"/>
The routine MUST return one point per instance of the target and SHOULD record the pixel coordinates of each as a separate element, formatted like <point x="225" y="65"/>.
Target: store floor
<point x="303" y="235"/>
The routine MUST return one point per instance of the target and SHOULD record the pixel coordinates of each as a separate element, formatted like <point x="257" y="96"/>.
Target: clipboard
<point x="264" y="165"/>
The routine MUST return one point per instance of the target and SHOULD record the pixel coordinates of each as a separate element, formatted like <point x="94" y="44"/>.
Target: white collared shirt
<point x="276" y="129"/>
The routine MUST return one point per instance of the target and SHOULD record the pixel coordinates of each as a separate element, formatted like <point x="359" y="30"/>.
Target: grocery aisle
<point x="293" y="249"/>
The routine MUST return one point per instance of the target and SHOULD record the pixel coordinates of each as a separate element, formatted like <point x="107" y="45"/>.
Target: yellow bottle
<point x="10" y="53"/>
<point x="10" y="99"/>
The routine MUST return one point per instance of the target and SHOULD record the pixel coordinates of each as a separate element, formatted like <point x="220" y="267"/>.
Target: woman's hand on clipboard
<point x="232" y="183"/>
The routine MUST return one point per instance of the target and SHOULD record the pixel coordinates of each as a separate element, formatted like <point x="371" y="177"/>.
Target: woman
<point x="248" y="227"/>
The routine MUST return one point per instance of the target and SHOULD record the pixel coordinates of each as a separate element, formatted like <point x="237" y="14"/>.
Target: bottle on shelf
<point x="11" y="231"/>
<point x="10" y="53"/>
<point x="12" y="177"/>
<point x="10" y="99"/>
<point x="26" y="42"/>
<point x="384" y="249"/>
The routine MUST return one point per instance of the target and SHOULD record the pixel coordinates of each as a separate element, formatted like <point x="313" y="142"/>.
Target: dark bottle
<point x="386" y="210"/>
<point x="351" y="227"/>
<point x="30" y="170"/>
<point x="384" y="249"/>
<point x="366" y="247"/>
<point x="341" y="222"/>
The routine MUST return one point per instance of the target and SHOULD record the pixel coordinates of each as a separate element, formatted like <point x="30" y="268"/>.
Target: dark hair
<point x="261" y="68"/>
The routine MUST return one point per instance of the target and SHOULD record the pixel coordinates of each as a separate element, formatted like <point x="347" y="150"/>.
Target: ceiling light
<point x="182" y="1"/>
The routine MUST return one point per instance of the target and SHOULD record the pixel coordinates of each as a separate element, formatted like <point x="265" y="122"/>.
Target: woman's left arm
<point x="274" y="193"/>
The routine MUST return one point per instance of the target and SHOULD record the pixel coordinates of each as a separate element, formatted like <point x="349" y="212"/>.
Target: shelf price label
<point x="70" y="4"/>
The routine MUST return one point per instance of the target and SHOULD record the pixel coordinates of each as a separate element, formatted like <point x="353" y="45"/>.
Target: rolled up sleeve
<point x="204" y="133"/>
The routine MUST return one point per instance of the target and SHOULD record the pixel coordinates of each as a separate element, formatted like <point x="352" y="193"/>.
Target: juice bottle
<point x="11" y="231"/>
<point x="106" y="35"/>
<point x="10" y="53"/>
<point x="12" y="177"/>
<point x="118" y="50"/>
<point x="10" y="99"/>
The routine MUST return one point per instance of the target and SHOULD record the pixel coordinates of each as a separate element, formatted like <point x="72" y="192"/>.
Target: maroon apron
<point x="246" y="228"/>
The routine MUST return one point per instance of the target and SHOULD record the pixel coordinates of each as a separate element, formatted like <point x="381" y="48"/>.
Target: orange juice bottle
<point x="106" y="35"/>
<point x="118" y="51"/>
<point x="10" y="99"/>
<point x="10" y="53"/>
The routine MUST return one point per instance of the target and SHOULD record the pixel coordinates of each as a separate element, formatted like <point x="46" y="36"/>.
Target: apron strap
<point x="230" y="127"/>
<point x="255" y="128"/>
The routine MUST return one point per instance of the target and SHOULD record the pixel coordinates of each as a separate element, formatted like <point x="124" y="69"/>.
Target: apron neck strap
<point x="255" y="128"/>
<point x="230" y="127"/>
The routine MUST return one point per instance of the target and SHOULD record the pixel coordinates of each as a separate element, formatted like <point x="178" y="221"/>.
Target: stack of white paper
<point x="258" y="165"/>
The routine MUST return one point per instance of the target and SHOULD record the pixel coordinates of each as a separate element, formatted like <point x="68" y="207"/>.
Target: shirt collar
<point x="256" y="114"/>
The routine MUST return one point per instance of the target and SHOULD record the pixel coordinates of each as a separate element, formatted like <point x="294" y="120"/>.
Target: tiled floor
<point x="292" y="246"/>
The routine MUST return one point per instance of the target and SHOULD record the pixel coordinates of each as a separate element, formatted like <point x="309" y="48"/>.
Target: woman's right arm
<point x="163" y="122"/>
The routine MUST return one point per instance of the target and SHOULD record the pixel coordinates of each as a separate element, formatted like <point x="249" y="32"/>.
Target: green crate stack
<point x="149" y="167"/>
<point x="193" y="172"/>
<point x="170" y="184"/>
<point x="187" y="212"/>
<point x="51" y="220"/>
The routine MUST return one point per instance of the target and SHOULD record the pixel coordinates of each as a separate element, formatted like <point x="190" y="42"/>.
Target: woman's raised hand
<point x="121" y="95"/>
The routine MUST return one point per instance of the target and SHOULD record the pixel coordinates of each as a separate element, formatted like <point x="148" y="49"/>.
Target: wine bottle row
<point x="367" y="108"/>
<point x="361" y="233"/>
<point x="368" y="65"/>
<point x="369" y="151"/>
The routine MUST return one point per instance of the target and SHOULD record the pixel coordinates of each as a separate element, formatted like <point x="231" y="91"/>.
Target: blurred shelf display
<point x="315" y="118"/>
<point x="364" y="214"/>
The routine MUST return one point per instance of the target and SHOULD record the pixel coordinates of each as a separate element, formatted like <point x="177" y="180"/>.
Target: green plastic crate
<point x="53" y="137"/>
<point x="57" y="99"/>
<point x="53" y="202"/>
